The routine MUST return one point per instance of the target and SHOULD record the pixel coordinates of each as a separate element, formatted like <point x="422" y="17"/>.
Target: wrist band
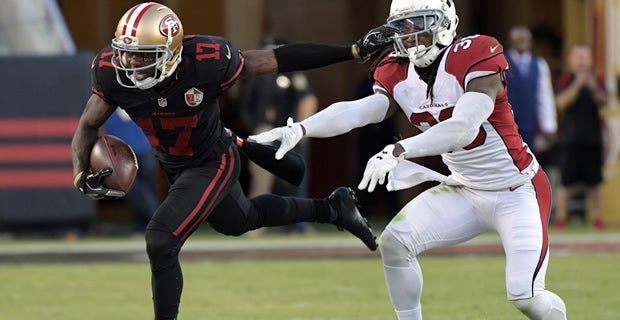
<point x="77" y="179"/>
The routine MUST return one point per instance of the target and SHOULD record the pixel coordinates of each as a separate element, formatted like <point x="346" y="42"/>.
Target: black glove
<point x="375" y="40"/>
<point x="90" y="184"/>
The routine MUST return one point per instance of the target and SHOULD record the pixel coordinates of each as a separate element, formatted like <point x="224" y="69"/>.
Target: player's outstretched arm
<point x="336" y="119"/>
<point x="303" y="56"/>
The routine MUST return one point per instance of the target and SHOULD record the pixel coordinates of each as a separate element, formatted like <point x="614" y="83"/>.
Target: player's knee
<point x="518" y="288"/>
<point x="545" y="306"/>
<point x="229" y="229"/>
<point x="233" y="223"/>
<point x="393" y="252"/>
<point x="161" y="246"/>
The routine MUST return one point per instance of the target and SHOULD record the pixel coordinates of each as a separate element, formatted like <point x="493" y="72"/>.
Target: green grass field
<point x="456" y="287"/>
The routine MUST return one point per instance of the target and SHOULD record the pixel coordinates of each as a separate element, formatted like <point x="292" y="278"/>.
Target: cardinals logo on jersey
<point x="193" y="97"/>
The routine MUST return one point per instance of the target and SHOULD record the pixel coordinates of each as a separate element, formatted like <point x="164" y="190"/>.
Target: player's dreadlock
<point x="377" y="62"/>
<point x="429" y="74"/>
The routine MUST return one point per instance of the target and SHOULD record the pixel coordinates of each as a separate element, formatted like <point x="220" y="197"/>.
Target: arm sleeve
<point x="470" y="111"/>
<point x="302" y="56"/>
<point x="342" y="117"/>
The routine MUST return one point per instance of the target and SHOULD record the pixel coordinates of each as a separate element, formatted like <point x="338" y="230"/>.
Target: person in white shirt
<point x="530" y="91"/>
<point x="454" y="91"/>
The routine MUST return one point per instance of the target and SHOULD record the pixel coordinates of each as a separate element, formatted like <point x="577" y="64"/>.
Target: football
<point x="110" y="151"/>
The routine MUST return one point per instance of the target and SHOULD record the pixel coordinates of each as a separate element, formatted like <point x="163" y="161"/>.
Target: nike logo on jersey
<point x="494" y="48"/>
<point x="228" y="55"/>
<point x="511" y="189"/>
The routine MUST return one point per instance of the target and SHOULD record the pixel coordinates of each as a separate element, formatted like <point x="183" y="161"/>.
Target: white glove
<point x="288" y="136"/>
<point x="378" y="167"/>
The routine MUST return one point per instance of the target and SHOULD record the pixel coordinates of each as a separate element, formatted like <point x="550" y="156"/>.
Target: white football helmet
<point x="154" y="32"/>
<point x="423" y="17"/>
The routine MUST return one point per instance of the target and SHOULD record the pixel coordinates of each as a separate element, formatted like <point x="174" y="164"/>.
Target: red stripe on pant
<point x="543" y="195"/>
<point x="201" y="210"/>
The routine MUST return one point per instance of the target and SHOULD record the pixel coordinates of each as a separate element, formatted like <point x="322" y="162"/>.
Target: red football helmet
<point x="153" y="32"/>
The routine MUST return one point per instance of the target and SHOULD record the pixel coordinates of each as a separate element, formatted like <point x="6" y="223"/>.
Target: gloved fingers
<point x="381" y="178"/>
<point x="266" y="137"/>
<point x="282" y="150"/>
<point x="365" y="180"/>
<point x="111" y="193"/>
<point x="102" y="173"/>
<point x="373" y="183"/>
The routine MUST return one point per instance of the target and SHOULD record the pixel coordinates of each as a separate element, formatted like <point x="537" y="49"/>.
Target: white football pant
<point x="447" y="215"/>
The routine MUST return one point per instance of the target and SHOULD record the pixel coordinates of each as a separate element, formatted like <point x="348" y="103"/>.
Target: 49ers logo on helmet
<point x="170" y="23"/>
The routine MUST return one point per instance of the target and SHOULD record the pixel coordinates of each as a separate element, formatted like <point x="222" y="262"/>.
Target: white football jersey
<point x="497" y="158"/>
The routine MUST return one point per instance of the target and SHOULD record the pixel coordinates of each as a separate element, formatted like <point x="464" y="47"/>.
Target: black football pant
<point x="212" y="192"/>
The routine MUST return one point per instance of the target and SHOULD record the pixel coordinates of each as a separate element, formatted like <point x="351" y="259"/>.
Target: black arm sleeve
<point x="302" y="56"/>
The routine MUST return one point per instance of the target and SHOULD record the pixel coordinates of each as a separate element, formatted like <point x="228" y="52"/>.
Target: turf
<point x="456" y="287"/>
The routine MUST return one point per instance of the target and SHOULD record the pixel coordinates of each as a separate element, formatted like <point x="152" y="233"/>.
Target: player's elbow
<point x="467" y="137"/>
<point x="462" y="132"/>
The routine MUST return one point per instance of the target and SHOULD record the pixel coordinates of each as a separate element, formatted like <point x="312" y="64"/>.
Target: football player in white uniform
<point x="454" y="91"/>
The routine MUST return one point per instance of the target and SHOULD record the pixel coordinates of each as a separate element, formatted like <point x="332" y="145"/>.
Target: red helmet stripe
<point x="134" y="17"/>
<point x="128" y="17"/>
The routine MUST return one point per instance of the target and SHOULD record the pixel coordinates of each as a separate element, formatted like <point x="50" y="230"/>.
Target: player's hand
<point x="288" y="136"/>
<point x="375" y="40"/>
<point x="378" y="167"/>
<point x="90" y="184"/>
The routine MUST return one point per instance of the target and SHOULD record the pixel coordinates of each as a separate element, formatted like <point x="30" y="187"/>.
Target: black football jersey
<point x="182" y="122"/>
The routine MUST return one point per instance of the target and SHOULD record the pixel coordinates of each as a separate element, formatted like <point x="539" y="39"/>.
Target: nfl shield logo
<point x="162" y="102"/>
<point x="193" y="97"/>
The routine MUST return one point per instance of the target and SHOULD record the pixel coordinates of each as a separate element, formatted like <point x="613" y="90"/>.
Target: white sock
<point x="414" y="314"/>
<point x="403" y="277"/>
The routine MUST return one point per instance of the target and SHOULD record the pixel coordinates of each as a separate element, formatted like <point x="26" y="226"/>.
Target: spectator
<point x="142" y="198"/>
<point x="266" y="102"/>
<point x="530" y="91"/>
<point x="580" y="97"/>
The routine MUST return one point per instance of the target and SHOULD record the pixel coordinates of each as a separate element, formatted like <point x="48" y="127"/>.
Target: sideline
<point x="280" y="247"/>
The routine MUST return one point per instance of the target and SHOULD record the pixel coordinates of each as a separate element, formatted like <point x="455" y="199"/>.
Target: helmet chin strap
<point x="427" y="57"/>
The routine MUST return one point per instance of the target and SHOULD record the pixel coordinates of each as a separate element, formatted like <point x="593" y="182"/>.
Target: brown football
<point x="110" y="151"/>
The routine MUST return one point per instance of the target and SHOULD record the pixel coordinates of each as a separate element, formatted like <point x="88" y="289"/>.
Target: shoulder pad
<point x="390" y="71"/>
<point x="103" y="76"/>
<point x="217" y="59"/>
<point x="475" y="53"/>
<point x="206" y="48"/>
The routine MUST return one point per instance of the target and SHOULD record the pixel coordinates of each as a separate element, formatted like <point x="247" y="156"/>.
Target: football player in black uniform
<point x="169" y="84"/>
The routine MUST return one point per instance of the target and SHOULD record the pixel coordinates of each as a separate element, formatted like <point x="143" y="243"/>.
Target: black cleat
<point x="343" y="201"/>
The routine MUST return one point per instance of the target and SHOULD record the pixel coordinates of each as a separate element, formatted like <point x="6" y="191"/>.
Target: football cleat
<point x="344" y="203"/>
